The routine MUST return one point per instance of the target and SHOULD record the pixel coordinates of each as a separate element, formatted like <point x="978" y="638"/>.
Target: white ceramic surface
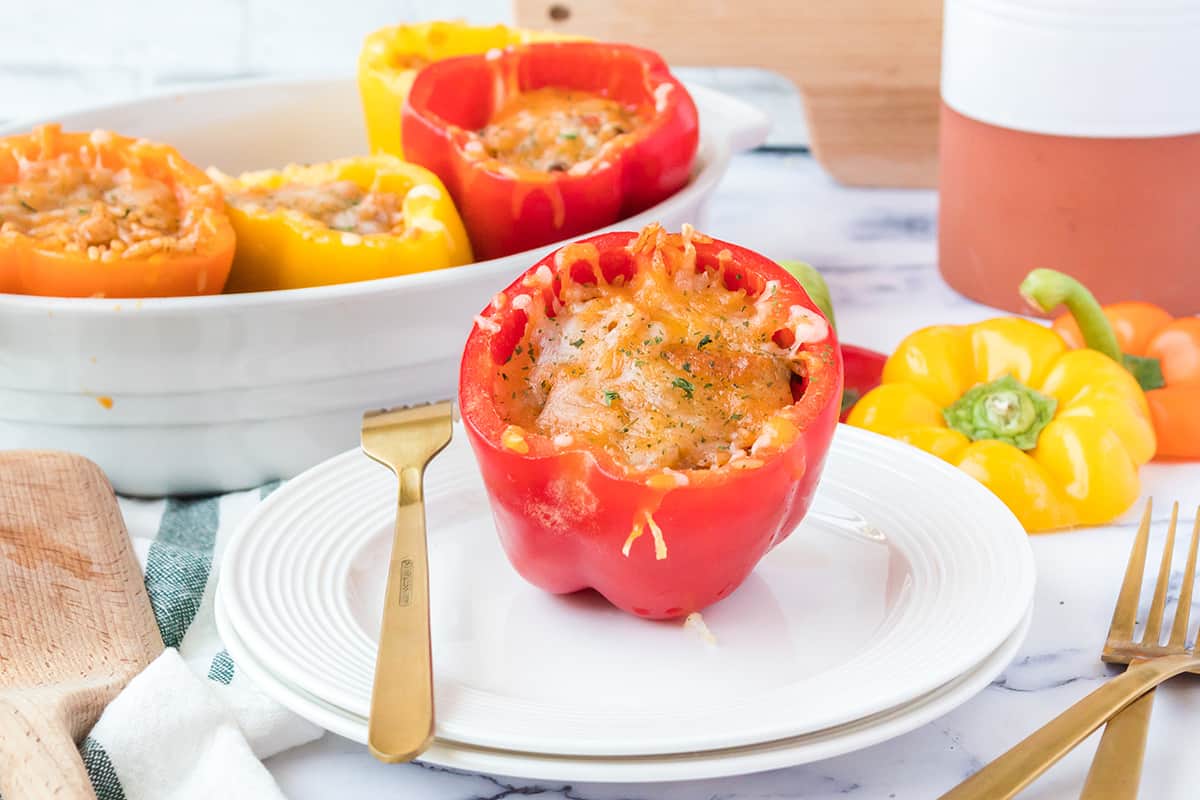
<point x="219" y="393"/>
<point x="906" y="568"/>
<point x="1120" y="68"/>
<point x="681" y="766"/>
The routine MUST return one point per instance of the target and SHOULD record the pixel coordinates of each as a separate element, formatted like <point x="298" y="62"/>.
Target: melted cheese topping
<point x="554" y="130"/>
<point x="339" y="205"/>
<point x="669" y="371"/>
<point x="86" y="207"/>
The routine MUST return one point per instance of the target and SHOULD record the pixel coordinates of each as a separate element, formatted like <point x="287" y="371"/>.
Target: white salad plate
<point x="674" y="767"/>
<point x="906" y="576"/>
<point x="210" y="394"/>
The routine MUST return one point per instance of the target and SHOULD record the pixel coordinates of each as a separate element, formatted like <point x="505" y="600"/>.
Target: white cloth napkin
<point x="190" y="725"/>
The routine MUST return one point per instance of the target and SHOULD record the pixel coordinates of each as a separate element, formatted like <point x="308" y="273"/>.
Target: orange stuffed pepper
<point x="101" y="215"/>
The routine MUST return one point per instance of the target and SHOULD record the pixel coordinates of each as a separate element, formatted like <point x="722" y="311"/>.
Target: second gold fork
<point x="1117" y="766"/>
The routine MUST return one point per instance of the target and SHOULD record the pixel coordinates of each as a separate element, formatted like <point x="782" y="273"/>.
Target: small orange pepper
<point x="1150" y="332"/>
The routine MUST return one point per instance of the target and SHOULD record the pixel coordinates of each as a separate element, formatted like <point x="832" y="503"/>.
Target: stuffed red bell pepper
<point x="650" y="413"/>
<point x="542" y="142"/>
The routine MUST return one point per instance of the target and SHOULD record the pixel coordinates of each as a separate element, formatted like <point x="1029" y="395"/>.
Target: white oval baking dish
<point x="211" y="394"/>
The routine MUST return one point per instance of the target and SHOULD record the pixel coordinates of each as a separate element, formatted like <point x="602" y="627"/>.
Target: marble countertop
<point x="877" y="249"/>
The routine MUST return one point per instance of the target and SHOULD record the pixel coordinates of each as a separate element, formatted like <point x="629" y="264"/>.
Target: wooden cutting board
<point x="75" y="621"/>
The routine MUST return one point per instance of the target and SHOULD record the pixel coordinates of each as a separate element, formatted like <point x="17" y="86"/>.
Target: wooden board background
<point x="867" y="69"/>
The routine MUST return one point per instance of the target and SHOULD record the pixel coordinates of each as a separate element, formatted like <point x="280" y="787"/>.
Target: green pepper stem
<point x="1046" y="289"/>
<point x="1005" y="410"/>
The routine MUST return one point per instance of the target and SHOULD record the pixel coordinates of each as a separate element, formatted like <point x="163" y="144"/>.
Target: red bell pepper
<point x="508" y="209"/>
<point x="864" y="371"/>
<point x="566" y="514"/>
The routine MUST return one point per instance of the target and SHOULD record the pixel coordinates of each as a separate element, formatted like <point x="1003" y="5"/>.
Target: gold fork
<point x="401" y="723"/>
<point x="1117" y="766"/>
<point x="1017" y="768"/>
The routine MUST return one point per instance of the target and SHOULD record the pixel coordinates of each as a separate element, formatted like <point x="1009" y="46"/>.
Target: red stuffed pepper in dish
<point x="546" y="141"/>
<point x="650" y="413"/>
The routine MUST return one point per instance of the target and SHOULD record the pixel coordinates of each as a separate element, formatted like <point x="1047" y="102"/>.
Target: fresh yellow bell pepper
<point x="392" y="56"/>
<point x="1057" y="434"/>
<point x="282" y="247"/>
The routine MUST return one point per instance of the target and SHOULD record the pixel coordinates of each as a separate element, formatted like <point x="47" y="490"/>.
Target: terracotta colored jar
<point x="1070" y="138"/>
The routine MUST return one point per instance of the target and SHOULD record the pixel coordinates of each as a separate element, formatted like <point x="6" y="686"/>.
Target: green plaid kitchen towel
<point x="191" y="725"/>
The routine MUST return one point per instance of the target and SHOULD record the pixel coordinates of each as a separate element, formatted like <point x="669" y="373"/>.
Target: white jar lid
<point x="1112" y="68"/>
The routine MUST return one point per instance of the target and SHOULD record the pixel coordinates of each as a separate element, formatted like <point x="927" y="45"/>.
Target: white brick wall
<point x="58" y="54"/>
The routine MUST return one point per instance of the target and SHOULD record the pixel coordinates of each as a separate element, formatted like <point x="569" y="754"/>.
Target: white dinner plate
<point x="681" y="766"/>
<point x="908" y="575"/>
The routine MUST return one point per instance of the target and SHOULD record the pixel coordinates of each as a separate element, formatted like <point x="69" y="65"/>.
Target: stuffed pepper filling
<point x="555" y="130"/>
<point x="338" y="205"/>
<point x="78" y="205"/>
<point x="663" y="360"/>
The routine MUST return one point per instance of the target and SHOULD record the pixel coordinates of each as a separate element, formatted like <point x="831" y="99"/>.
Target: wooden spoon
<point x="75" y="621"/>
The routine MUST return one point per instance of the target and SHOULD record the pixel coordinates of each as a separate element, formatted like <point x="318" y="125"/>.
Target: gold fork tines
<point x="1117" y="766"/>
<point x="401" y="723"/>
<point x="1120" y="647"/>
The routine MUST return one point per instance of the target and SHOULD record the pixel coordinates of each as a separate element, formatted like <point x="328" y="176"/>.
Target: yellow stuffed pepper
<point x="1057" y="434"/>
<point x="349" y="220"/>
<point x="392" y="56"/>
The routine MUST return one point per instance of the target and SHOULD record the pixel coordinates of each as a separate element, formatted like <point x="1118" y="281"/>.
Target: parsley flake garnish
<point x="28" y="207"/>
<point x="685" y="385"/>
<point x="577" y="343"/>
<point x="735" y="417"/>
<point x="609" y="396"/>
<point x="687" y="367"/>
<point x="703" y="341"/>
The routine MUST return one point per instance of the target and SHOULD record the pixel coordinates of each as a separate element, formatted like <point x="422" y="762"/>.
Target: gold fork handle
<point x="1016" y="769"/>
<point x="1116" y="770"/>
<point x="401" y="723"/>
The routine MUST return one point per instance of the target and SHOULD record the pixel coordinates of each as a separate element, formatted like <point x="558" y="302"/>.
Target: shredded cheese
<point x="696" y="623"/>
<point x="552" y="129"/>
<point x="486" y="324"/>
<point x="660" y="544"/>
<point x="666" y="370"/>
<point x="667" y="479"/>
<point x="633" y="536"/>
<point x="514" y="439"/>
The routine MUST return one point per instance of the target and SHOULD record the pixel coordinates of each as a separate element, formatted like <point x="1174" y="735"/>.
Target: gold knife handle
<point x="401" y="723"/>
<point x="1116" y="770"/>
<point x="1016" y="769"/>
